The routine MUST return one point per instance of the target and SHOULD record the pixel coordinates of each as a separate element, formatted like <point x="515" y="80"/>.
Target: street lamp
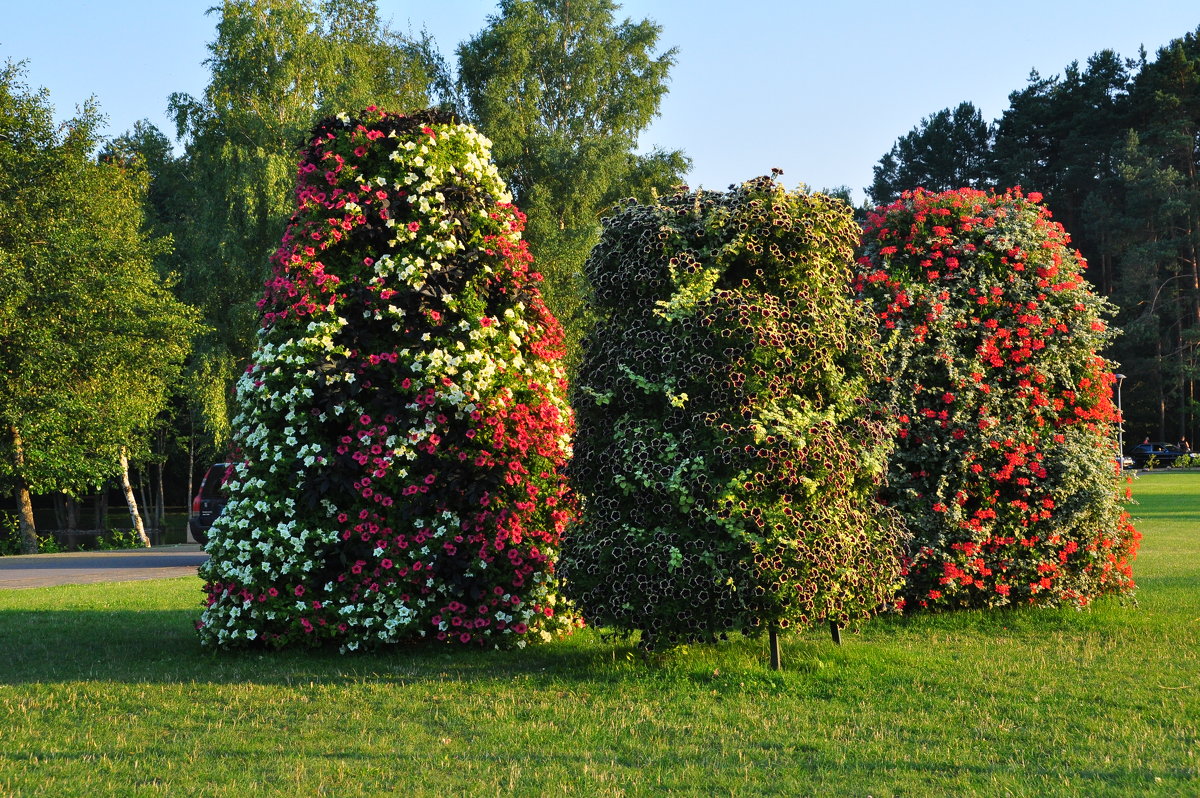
<point x="1120" y="422"/>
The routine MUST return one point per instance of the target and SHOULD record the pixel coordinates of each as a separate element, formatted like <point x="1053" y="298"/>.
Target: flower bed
<point x="725" y="450"/>
<point x="1004" y="464"/>
<point x="404" y="424"/>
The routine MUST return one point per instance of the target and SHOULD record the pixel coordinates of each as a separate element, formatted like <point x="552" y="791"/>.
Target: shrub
<point x="119" y="539"/>
<point x="725" y="448"/>
<point x="404" y="424"/>
<point x="1004" y="466"/>
<point x="10" y="538"/>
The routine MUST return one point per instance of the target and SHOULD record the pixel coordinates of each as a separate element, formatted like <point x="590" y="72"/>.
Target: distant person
<point x="1147" y="441"/>
<point x="1183" y="446"/>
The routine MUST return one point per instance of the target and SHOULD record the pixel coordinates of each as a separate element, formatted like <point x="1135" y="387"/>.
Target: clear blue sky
<point x="819" y="88"/>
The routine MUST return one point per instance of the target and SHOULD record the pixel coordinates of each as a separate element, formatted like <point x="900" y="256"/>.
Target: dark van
<point x="209" y="502"/>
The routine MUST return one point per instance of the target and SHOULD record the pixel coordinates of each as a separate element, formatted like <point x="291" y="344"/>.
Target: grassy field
<point x="104" y="691"/>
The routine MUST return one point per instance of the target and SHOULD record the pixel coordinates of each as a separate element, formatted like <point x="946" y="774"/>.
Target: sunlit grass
<point x="104" y="691"/>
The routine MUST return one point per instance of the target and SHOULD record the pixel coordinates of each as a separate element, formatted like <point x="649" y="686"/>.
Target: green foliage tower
<point x="1004" y="464"/>
<point x="404" y="422"/>
<point x="725" y="449"/>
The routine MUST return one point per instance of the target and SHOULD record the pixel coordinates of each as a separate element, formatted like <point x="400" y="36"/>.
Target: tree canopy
<point x="90" y="336"/>
<point x="277" y="66"/>
<point x="564" y="91"/>
<point x="947" y="150"/>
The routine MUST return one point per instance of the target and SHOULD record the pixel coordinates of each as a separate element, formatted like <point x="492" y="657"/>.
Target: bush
<point x="404" y="423"/>
<point x="118" y="539"/>
<point x="10" y="538"/>
<point x="725" y="448"/>
<point x="1004" y="466"/>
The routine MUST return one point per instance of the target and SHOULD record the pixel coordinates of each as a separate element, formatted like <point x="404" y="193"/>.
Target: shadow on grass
<point x="1031" y="622"/>
<point x="84" y="634"/>
<point x="160" y="646"/>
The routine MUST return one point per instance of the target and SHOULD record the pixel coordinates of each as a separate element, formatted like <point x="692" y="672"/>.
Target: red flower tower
<point x="1004" y="467"/>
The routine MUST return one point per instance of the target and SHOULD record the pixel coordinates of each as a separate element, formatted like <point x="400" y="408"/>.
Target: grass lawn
<point x="104" y="691"/>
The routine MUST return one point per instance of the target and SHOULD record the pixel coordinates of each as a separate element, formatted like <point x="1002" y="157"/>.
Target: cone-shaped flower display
<point x="726" y="453"/>
<point x="403" y="426"/>
<point x="1004" y="466"/>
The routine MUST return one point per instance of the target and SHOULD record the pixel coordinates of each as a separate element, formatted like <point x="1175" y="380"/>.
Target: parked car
<point x="1161" y="454"/>
<point x="209" y="502"/>
<point x="1124" y="461"/>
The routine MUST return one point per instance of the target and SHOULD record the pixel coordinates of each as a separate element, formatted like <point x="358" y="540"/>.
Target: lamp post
<point x="1120" y="423"/>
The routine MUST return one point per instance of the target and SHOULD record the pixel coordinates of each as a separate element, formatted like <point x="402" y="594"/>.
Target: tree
<point x="404" y="423"/>
<point x="1149" y="199"/>
<point x="948" y="150"/>
<point x="277" y="67"/>
<point x="1003" y="467"/>
<point x="564" y="91"/>
<point x="146" y="149"/>
<point x="90" y="336"/>
<point x="726" y="455"/>
<point x="1166" y="101"/>
<point x="1059" y="136"/>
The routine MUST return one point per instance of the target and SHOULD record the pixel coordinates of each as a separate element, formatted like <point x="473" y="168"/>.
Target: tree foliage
<point x="1159" y="253"/>
<point x="90" y="337"/>
<point x="726" y="453"/>
<point x="277" y="66"/>
<point x="947" y="150"/>
<point x="404" y="422"/>
<point x="1004" y="464"/>
<point x="1059" y="134"/>
<point x="564" y="91"/>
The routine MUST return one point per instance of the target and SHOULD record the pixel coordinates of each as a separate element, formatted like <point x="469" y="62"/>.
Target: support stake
<point x="775" y="659"/>
<point x="836" y="632"/>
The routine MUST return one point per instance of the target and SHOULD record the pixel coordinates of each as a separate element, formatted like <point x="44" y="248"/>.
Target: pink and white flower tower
<point x="403" y="426"/>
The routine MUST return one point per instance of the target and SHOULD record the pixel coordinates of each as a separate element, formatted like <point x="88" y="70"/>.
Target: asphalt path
<point x="87" y="567"/>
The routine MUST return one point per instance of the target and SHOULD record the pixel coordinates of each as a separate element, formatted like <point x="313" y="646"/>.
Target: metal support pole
<point x="836" y="632"/>
<point x="1120" y="422"/>
<point x="774" y="640"/>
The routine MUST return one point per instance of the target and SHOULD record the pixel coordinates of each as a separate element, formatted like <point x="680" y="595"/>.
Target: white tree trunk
<point x="132" y="502"/>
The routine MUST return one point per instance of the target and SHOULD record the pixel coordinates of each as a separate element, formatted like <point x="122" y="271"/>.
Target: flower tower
<point x="403" y="425"/>
<point x="726" y="456"/>
<point x="1004" y="466"/>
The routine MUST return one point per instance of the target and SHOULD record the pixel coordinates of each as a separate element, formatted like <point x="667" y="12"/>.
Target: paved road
<point x="84" y="567"/>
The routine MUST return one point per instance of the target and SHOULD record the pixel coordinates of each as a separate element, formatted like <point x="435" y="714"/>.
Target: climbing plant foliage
<point x="404" y="424"/>
<point x="726" y="451"/>
<point x="1004" y="465"/>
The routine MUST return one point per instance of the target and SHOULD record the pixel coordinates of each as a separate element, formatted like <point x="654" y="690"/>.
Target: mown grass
<point x="104" y="691"/>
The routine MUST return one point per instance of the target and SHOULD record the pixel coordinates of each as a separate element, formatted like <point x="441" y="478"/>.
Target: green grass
<point x="104" y="691"/>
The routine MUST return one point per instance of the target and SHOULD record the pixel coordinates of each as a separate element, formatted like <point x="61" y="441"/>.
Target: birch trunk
<point x="134" y="515"/>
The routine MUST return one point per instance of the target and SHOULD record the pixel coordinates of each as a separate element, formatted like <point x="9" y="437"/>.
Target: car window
<point x="214" y="483"/>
